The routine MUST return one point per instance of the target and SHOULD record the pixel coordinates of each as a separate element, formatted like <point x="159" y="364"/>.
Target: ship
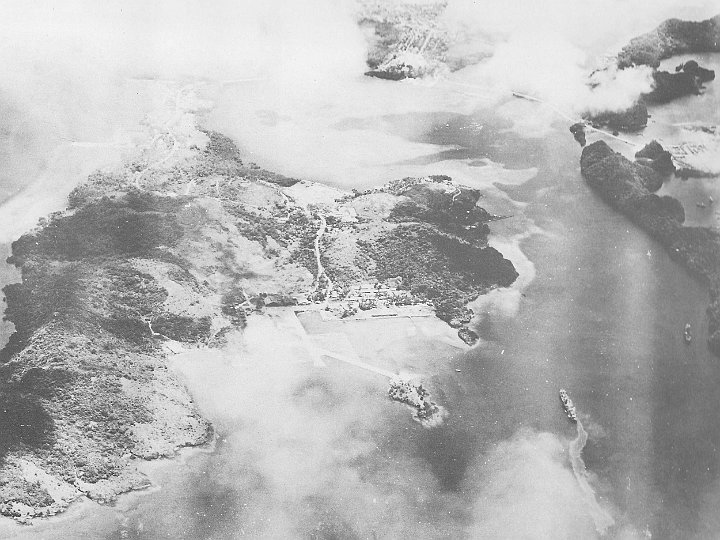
<point x="687" y="336"/>
<point x="568" y="405"/>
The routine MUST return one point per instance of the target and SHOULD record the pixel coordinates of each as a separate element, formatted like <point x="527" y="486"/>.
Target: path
<point x="356" y="363"/>
<point x="320" y="268"/>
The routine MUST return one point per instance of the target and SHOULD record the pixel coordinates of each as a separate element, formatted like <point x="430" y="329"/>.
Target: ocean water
<point x="321" y="453"/>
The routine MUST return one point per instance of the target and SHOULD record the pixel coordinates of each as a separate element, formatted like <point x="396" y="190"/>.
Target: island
<point x="671" y="38"/>
<point x="156" y="257"/>
<point x="628" y="187"/>
<point x="632" y="119"/>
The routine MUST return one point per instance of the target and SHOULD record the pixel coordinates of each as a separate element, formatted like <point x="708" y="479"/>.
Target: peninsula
<point x="160" y="256"/>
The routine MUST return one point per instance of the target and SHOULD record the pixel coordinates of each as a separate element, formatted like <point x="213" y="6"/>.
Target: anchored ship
<point x="568" y="405"/>
<point x="687" y="336"/>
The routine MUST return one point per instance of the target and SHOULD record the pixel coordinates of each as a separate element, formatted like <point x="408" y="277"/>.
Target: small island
<point x="405" y="41"/>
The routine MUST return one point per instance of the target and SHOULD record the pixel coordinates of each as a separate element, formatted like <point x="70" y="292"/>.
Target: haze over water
<point x="602" y="318"/>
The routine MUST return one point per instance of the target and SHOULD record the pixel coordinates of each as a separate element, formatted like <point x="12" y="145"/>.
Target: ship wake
<point x="602" y="519"/>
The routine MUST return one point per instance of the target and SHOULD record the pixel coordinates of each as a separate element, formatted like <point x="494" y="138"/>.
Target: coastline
<point x="104" y="399"/>
<point x="623" y="185"/>
<point x="77" y="512"/>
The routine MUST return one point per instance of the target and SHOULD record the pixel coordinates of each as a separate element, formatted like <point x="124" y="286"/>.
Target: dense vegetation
<point x="657" y="157"/>
<point x="671" y="38"/>
<point x="439" y="267"/>
<point x="91" y="309"/>
<point x="132" y="225"/>
<point x="634" y="118"/>
<point x="23" y="420"/>
<point x="84" y="387"/>
<point x="669" y="86"/>
<point x="456" y="213"/>
<point x="255" y="226"/>
<point x="222" y="156"/>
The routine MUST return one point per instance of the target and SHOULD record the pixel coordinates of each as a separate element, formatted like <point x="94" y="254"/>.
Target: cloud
<point x="76" y="51"/>
<point x="307" y="451"/>
<point x="181" y="38"/>
<point x="548" y="49"/>
<point x="528" y="491"/>
<point x="71" y="69"/>
<point x="596" y="25"/>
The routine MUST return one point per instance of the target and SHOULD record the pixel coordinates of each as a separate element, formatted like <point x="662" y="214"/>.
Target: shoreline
<point x="108" y="372"/>
<point x="81" y="507"/>
<point x="622" y="185"/>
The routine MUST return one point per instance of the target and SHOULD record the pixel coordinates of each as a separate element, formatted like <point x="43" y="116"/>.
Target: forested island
<point x="628" y="187"/>
<point x="671" y="38"/>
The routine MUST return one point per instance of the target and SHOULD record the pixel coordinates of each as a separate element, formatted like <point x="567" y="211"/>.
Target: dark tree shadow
<point x="24" y="420"/>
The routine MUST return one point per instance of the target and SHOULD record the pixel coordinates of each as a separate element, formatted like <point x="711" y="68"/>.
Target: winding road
<point x="320" y="268"/>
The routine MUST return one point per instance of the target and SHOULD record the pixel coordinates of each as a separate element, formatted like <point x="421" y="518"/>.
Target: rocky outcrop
<point x="669" y="86"/>
<point x="619" y="180"/>
<point x="632" y="119"/>
<point x="655" y="156"/>
<point x="468" y="336"/>
<point x="671" y="38"/>
<point x="654" y="164"/>
<point x="413" y="394"/>
<point x="693" y="68"/>
<point x="578" y="131"/>
<point x="621" y="183"/>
